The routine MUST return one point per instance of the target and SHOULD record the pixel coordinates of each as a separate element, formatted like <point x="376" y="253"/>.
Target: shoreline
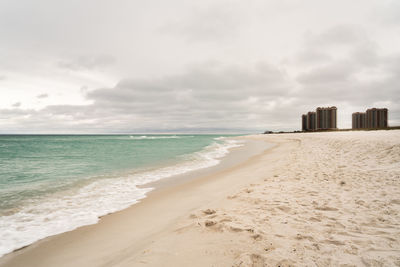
<point x="321" y="199"/>
<point x="79" y="205"/>
<point x="236" y="155"/>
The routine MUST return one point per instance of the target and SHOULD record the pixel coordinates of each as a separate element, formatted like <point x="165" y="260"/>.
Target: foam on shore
<point x="65" y="211"/>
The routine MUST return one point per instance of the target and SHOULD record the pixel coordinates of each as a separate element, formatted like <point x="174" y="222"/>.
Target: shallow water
<point x="53" y="184"/>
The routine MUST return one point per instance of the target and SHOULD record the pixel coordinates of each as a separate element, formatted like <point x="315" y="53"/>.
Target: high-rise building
<point x="326" y="118"/>
<point x="377" y="118"/>
<point x="311" y="116"/>
<point x="373" y="118"/>
<point x="304" y="122"/>
<point x="358" y="120"/>
<point x="322" y="119"/>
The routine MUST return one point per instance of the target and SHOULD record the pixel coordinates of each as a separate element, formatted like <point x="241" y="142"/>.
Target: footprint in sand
<point x="257" y="237"/>
<point x="209" y="211"/>
<point x="326" y="208"/>
<point x="284" y="209"/>
<point x="334" y="242"/>
<point x="302" y="237"/>
<point x="209" y="223"/>
<point x="248" y="259"/>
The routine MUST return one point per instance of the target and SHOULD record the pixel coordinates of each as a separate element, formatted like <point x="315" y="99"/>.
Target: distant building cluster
<point x="324" y="118"/>
<point x="373" y="118"/>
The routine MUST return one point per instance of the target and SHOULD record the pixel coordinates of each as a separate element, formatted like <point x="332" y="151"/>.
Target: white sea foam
<point x="67" y="211"/>
<point x="153" y="137"/>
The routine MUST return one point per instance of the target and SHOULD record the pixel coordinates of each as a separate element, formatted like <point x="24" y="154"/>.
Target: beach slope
<point x="317" y="199"/>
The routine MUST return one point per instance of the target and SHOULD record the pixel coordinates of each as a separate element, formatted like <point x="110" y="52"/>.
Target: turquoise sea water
<point x="53" y="184"/>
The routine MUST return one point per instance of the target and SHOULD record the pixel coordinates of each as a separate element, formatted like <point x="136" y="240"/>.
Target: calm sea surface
<point x="53" y="184"/>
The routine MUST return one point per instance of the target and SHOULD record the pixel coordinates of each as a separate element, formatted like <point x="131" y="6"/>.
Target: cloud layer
<point x="209" y="66"/>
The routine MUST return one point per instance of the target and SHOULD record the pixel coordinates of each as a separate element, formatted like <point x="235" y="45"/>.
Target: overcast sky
<point x="101" y="66"/>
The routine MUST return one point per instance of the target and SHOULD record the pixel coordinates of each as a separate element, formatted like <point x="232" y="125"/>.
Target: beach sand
<point x="313" y="199"/>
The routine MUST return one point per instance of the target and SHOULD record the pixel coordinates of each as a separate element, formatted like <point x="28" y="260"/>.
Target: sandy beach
<point x="312" y="199"/>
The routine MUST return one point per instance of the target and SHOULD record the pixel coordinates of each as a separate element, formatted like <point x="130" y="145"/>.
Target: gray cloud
<point x="216" y="96"/>
<point x="86" y="62"/>
<point x="388" y="13"/>
<point x="335" y="54"/>
<point x="199" y="84"/>
<point x="330" y="74"/>
<point x="201" y="96"/>
<point x="41" y="96"/>
<point x="355" y="75"/>
<point x="338" y="35"/>
<point x="337" y="90"/>
<point x="84" y="89"/>
<point x="212" y="23"/>
<point x="312" y="56"/>
<point x="16" y="105"/>
<point x="179" y="65"/>
<point x="225" y="97"/>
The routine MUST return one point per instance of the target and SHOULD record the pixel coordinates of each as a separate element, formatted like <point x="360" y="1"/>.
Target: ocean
<point x="50" y="184"/>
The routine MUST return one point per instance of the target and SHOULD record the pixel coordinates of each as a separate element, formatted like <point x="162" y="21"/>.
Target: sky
<point x="127" y="66"/>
